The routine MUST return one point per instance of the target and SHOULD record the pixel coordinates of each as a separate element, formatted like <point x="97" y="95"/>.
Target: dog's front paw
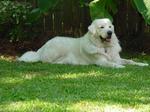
<point x="142" y="64"/>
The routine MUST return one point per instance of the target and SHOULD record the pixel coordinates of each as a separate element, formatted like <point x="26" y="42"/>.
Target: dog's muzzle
<point x="107" y="39"/>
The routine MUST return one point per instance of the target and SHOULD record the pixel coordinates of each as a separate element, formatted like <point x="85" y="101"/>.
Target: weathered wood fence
<point x="72" y="20"/>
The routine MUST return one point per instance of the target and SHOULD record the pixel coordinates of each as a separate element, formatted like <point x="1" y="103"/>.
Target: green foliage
<point x="98" y="8"/>
<point x="15" y="14"/>
<point x="147" y="3"/>
<point x="107" y="8"/>
<point x="144" y="8"/>
<point x="103" y="8"/>
<point x="34" y="15"/>
<point x="43" y="7"/>
<point x="13" y="11"/>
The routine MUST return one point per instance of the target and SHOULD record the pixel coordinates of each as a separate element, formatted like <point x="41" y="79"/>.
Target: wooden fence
<point x="72" y="20"/>
<point x="68" y="19"/>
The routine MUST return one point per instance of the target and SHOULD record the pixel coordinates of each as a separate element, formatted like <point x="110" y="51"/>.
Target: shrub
<point x="14" y="14"/>
<point x="108" y="8"/>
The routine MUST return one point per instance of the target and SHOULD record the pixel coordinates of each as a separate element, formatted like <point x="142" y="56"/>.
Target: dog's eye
<point x="109" y="26"/>
<point x="102" y="27"/>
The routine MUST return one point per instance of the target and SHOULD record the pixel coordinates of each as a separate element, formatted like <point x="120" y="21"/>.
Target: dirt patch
<point x="17" y="48"/>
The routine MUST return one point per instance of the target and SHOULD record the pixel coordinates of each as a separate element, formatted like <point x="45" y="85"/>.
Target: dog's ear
<point x="92" y="29"/>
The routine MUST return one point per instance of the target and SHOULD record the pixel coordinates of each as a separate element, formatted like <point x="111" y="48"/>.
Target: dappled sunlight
<point x="94" y="1"/>
<point x="28" y="106"/>
<point x="70" y="76"/>
<point x="50" y="85"/>
<point x="49" y="88"/>
<point x="29" y="76"/>
<point x="20" y="79"/>
<point x="80" y="75"/>
<point x="10" y="80"/>
<point x="81" y="106"/>
<point x="143" y="108"/>
<point x="8" y="58"/>
<point x="147" y="3"/>
<point x="117" y="108"/>
<point x="88" y="106"/>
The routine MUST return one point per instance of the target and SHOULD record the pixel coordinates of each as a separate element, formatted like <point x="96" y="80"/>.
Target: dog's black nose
<point x="109" y="33"/>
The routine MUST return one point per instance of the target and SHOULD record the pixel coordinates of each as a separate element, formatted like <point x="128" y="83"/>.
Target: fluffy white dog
<point x="98" y="46"/>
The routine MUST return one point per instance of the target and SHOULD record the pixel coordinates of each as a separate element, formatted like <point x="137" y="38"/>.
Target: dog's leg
<point x="104" y="62"/>
<point x="131" y="62"/>
<point x="99" y="51"/>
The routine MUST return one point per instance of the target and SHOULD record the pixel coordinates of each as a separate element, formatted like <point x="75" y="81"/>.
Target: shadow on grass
<point x="64" y="84"/>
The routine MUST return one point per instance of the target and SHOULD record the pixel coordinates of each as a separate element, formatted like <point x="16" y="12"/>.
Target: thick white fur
<point x="89" y="49"/>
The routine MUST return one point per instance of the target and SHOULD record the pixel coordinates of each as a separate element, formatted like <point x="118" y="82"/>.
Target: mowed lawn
<point x="43" y="87"/>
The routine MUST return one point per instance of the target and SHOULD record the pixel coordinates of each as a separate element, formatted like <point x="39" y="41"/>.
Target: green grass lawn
<point x="42" y="87"/>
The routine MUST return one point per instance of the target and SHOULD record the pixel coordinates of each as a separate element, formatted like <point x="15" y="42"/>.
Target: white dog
<point x="98" y="46"/>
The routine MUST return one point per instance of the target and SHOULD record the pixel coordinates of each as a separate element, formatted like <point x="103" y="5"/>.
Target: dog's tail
<point x="30" y="56"/>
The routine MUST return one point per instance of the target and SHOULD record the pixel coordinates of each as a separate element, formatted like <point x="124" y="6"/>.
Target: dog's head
<point x="102" y="28"/>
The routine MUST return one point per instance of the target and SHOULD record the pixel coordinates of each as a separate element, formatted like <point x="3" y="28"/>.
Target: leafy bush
<point x="143" y="6"/>
<point x="15" y="14"/>
<point x="107" y="8"/>
<point x="98" y="8"/>
<point x="103" y="8"/>
<point x="43" y="7"/>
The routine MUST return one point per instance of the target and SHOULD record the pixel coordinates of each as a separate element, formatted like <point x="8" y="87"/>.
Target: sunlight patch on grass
<point x="7" y="58"/>
<point x="79" y="75"/>
<point x="30" y="76"/>
<point x="43" y="87"/>
<point x="70" y="76"/>
<point x="143" y="108"/>
<point x="10" y="80"/>
<point x="96" y="73"/>
<point x="113" y="108"/>
<point x="30" y="106"/>
<point x="87" y="106"/>
<point x="24" y="76"/>
<point x="82" y="106"/>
